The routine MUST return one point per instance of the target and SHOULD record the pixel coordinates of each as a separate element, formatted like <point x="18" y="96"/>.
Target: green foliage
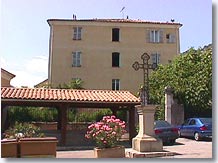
<point x="190" y="75"/>
<point x="34" y="114"/>
<point x="91" y="117"/>
<point x="73" y="84"/>
<point x="29" y="114"/>
<point x="23" y="130"/>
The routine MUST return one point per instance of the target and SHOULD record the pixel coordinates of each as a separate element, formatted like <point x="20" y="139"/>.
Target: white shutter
<point x="172" y="38"/>
<point x="74" y="59"/>
<point x="74" y="33"/>
<point x="153" y="58"/>
<point x="148" y="36"/>
<point x="78" y="58"/>
<point x="161" y="35"/>
<point x="79" y="33"/>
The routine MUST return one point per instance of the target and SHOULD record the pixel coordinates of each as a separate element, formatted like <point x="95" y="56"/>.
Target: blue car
<point x="198" y="128"/>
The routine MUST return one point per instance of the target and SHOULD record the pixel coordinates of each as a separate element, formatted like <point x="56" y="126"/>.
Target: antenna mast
<point x="122" y="10"/>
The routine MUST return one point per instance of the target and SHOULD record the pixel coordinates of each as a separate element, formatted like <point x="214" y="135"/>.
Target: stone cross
<point x="145" y="66"/>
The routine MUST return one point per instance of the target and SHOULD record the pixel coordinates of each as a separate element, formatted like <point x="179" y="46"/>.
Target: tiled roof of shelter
<point x="68" y="95"/>
<point x="118" y="21"/>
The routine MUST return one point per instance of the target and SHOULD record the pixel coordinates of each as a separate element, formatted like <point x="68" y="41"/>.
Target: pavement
<point x="75" y="154"/>
<point x="184" y="148"/>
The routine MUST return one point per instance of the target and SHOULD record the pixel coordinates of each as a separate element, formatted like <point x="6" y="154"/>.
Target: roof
<point x="41" y="83"/>
<point x="8" y="73"/>
<point x="138" y="21"/>
<point x="68" y="95"/>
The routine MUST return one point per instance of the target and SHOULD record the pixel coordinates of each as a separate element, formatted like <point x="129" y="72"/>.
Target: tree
<point x="190" y="75"/>
<point x="73" y="84"/>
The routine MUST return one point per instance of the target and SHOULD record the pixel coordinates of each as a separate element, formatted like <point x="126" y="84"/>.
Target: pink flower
<point x="107" y="132"/>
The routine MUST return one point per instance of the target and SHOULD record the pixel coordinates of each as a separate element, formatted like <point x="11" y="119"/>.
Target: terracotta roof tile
<point x="117" y="21"/>
<point x="68" y="95"/>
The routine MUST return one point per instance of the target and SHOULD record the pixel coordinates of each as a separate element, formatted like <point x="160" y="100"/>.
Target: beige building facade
<point x="101" y="52"/>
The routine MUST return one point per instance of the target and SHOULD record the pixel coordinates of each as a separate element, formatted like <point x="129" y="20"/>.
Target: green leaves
<point x="189" y="74"/>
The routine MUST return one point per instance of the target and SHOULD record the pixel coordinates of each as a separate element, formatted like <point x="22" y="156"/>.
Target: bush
<point x="23" y="130"/>
<point x="107" y="132"/>
<point x="43" y="114"/>
<point x="29" y="114"/>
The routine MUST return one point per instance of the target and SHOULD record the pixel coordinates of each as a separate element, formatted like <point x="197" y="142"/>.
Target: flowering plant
<point x="107" y="132"/>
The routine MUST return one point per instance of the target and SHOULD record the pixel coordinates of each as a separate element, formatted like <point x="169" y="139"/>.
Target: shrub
<point x="107" y="132"/>
<point x="23" y="130"/>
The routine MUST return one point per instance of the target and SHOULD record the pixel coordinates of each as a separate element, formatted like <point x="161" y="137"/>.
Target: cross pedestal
<point x="146" y="141"/>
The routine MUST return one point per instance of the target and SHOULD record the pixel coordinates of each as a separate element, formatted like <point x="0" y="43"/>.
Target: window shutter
<point x="153" y="58"/>
<point x="158" y="58"/>
<point x="161" y="35"/>
<point x="77" y="59"/>
<point x="172" y="38"/>
<point x="79" y="33"/>
<point x="74" y="33"/>
<point x="148" y="36"/>
<point x="74" y="59"/>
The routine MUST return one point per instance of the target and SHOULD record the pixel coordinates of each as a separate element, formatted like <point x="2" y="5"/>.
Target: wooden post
<point x="114" y="111"/>
<point x="63" y="124"/>
<point x="4" y="118"/>
<point x="132" y="127"/>
<point x="59" y="119"/>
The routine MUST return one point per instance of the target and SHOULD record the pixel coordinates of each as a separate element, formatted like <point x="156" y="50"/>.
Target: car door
<point x="183" y="129"/>
<point x="191" y="127"/>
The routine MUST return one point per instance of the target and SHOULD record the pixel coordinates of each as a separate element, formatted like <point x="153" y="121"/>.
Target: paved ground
<point x="185" y="148"/>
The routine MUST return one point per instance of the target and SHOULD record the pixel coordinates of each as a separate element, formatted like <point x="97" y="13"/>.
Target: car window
<point x="206" y="120"/>
<point x="186" y="122"/>
<point x="192" y="122"/>
<point x="158" y="124"/>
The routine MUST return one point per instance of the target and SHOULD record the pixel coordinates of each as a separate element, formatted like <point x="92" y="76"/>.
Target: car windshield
<point x="206" y="120"/>
<point x="158" y="124"/>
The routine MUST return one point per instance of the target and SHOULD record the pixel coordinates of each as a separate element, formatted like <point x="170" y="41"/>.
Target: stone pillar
<point x="146" y="141"/>
<point x="168" y="104"/>
<point x="174" y="112"/>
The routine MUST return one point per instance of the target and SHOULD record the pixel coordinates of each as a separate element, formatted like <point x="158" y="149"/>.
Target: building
<point x="101" y="52"/>
<point x="43" y="84"/>
<point x="6" y="78"/>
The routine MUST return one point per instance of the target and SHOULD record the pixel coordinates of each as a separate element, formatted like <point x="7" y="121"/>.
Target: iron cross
<point x="145" y="66"/>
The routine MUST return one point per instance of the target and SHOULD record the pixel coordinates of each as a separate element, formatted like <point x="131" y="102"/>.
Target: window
<point x="156" y="36"/>
<point x="155" y="59"/>
<point x="170" y="38"/>
<point x="76" y="59"/>
<point x="115" y="84"/>
<point x="115" y="59"/>
<point x="77" y="32"/>
<point x="115" y="34"/>
<point x="192" y="122"/>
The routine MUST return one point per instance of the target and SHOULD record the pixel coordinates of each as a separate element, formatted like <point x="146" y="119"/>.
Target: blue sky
<point x="25" y="31"/>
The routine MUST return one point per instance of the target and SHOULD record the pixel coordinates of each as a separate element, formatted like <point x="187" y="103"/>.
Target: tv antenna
<point x="122" y="10"/>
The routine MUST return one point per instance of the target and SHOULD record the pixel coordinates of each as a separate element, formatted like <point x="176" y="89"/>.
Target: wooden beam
<point x="63" y="123"/>
<point x="114" y="111"/>
<point x="132" y="127"/>
<point x="59" y="119"/>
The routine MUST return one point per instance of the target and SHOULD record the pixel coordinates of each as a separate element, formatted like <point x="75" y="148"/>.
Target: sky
<point x="24" y="31"/>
